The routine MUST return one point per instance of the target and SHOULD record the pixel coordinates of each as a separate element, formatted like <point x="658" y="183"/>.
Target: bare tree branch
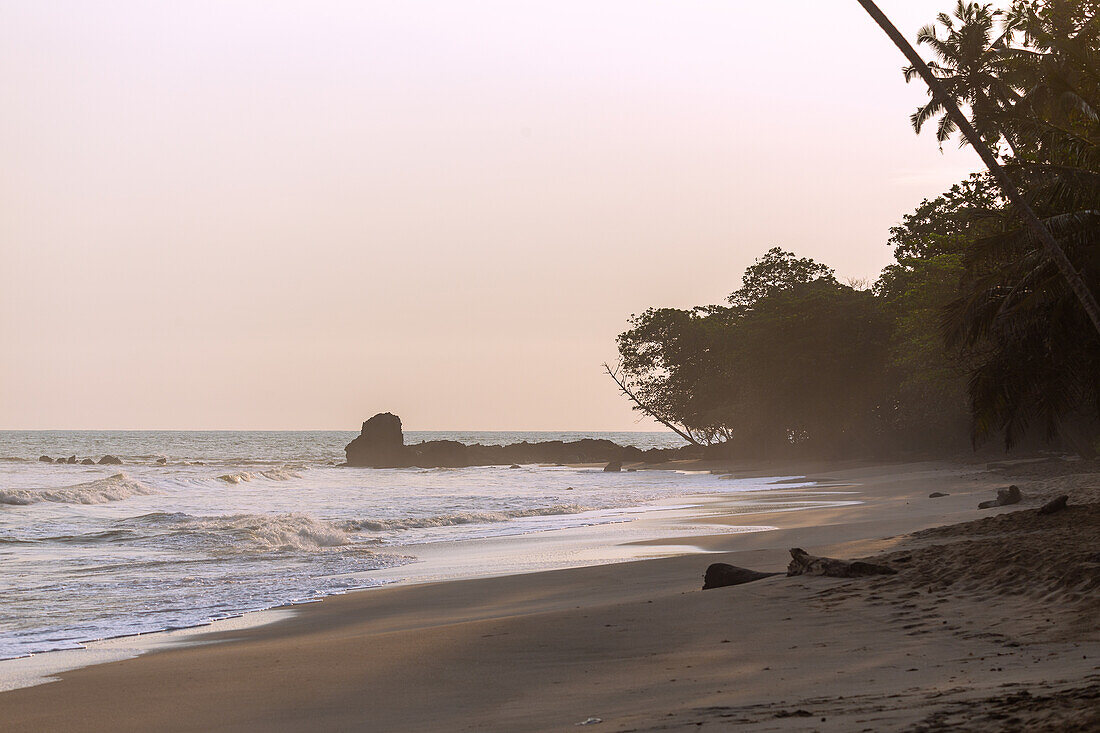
<point x="686" y="435"/>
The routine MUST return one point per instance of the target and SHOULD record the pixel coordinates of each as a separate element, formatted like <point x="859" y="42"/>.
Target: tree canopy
<point x="971" y="332"/>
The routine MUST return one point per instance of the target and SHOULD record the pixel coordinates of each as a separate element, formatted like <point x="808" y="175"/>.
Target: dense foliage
<point x="971" y="329"/>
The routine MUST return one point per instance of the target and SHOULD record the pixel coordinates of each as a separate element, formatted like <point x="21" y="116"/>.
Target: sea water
<point x="240" y="521"/>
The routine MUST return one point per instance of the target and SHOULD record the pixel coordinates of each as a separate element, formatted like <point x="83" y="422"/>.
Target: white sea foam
<point x="274" y="474"/>
<point x="281" y="474"/>
<point x="261" y="532"/>
<point x="457" y="518"/>
<point x="113" y="488"/>
<point x="238" y="477"/>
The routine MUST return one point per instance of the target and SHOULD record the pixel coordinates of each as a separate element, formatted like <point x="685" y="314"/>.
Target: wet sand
<point x="987" y="626"/>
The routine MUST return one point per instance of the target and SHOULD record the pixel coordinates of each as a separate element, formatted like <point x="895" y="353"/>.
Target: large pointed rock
<point x="380" y="444"/>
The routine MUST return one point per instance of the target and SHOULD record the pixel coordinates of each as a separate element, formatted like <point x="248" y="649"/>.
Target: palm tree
<point x="971" y="66"/>
<point x="1035" y="226"/>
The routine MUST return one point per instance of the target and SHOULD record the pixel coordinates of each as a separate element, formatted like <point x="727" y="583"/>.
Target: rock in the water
<point x="437" y="454"/>
<point x="110" y="461"/>
<point x="380" y="444"/>
<point x="87" y="462"/>
<point x="72" y="460"/>
<point x="613" y="467"/>
<point x="514" y="465"/>
<point x="45" y="459"/>
<point x="803" y="563"/>
<point x="721" y="574"/>
<point x="937" y="495"/>
<point x="162" y="461"/>
<point x="1011" y="495"/>
<point x="1055" y="505"/>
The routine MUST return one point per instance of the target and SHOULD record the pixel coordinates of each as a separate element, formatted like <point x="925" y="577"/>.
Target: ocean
<point x="241" y="521"/>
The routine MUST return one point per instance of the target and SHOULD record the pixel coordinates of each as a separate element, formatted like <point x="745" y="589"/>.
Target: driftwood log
<point x="720" y="575"/>
<point x="1011" y="495"/>
<point x="1055" y="505"/>
<point x="803" y="563"/>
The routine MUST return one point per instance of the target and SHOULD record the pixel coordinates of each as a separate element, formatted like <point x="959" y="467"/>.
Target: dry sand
<point x="991" y="625"/>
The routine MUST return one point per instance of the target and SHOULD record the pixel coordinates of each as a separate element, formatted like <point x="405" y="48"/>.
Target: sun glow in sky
<point x="296" y="214"/>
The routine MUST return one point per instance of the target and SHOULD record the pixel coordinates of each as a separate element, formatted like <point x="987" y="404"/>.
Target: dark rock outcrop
<point x="1011" y="495"/>
<point x="110" y="461"/>
<point x="381" y="444"/>
<point x="71" y="459"/>
<point x="613" y="467"/>
<point x="45" y="459"/>
<point x="721" y="574"/>
<point x="1054" y="505"/>
<point x="87" y="462"/>
<point x="937" y="495"/>
<point x="438" y="454"/>
<point x="803" y="563"/>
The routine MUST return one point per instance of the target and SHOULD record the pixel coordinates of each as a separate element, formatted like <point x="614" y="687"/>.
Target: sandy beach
<point x="987" y="625"/>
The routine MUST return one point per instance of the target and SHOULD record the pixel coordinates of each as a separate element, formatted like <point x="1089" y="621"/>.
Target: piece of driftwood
<point x="1055" y="505"/>
<point x="721" y="574"/>
<point x="1011" y="495"/>
<point x="803" y="563"/>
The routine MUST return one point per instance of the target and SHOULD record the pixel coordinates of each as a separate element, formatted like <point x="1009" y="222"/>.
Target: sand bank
<point x="977" y="631"/>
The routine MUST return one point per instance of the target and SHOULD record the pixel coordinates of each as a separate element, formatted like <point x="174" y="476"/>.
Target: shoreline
<point x="656" y="529"/>
<point x="506" y="652"/>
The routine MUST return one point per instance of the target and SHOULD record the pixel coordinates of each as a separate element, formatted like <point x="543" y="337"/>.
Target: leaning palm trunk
<point x="1054" y="251"/>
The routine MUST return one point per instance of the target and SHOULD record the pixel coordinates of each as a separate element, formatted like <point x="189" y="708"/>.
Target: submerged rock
<point x="721" y="574"/>
<point x="110" y="461"/>
<point x="45" y="459"/>
<point x="1011" y="495"/>
<point x="162" y="462"/>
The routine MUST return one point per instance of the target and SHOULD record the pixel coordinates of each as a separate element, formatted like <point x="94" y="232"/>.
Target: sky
<point x="292" y="215"/>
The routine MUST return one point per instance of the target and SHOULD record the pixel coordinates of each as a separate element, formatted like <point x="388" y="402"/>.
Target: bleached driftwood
<point x="1011" y="495"/>
<point x="803" y="563"/>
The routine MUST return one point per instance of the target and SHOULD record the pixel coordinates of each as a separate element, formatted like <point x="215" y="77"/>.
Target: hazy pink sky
<point x="297" y="214"/>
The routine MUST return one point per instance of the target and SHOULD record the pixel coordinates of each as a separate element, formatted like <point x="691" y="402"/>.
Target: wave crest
<point x="253" y="532"/>
<point x="273" y="474"/>
<point x="450" y="520"/>
<point x="113" y="488"/>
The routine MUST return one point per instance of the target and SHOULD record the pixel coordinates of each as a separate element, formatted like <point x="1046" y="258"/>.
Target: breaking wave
<point x="113" y="488"/>
<point x="274" y="474"/>
<point x="450" y="520"/>
<point x="293" y="531"/>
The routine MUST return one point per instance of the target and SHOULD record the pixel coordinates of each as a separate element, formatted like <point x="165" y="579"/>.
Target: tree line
<point x="973" y="334"/>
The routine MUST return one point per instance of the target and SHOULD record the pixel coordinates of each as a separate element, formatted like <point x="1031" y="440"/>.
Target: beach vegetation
<point x="975" y="332"/>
